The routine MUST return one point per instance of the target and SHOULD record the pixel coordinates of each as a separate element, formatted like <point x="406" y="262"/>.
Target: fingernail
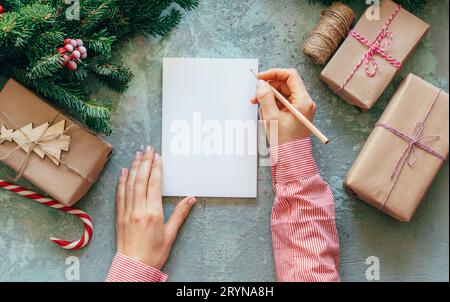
<point x="260" y="84"/>
<point x="148" y="149"/>
<point x="137" y="155"/>
<point x="124" y="171"/>
<point x="157" y="157"/>
<point x="192" y="201"/>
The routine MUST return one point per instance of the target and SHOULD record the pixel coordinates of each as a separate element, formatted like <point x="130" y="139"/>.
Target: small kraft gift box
<point x="46" y="147"/>
<point x="372" y="54"/>
<point x="404" y="152"/>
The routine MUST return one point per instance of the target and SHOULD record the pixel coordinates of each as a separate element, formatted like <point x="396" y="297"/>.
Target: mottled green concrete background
<point x="229" y="240"/>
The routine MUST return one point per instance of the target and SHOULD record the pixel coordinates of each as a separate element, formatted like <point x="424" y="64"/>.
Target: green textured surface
<point x="229" y="240"/>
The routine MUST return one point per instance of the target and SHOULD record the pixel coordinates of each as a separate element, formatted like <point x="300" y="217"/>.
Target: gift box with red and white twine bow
<point x="372" y="54"/>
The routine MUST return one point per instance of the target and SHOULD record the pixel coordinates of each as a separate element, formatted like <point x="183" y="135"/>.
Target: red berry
<point x="71" y="65"/>
<point x="73" y="43"/>
<point x="68" y="48"/>
<point x="66" y="58"/>
<point x="81" y="49"/>
<point x="1" y="9"/>
<point x="79" y="42"/>
<point x="61" y="50"/>
<point x="66" y="41"/>
<point x="84" y="55"/>
<point x="76" y="55"/>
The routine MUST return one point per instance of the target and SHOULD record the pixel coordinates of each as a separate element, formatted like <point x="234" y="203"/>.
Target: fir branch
<point x="93" y="14"/>
<point x="18" y="27"/>
<point x="100" y="125"/>
<point x="31" y="31"/>
<point x="47" y="38"/>
<point x="164" y="24"/>
<point x="13" y="32"/>
<point x="76" y="76"/>
<point x="187" y="4"/>
<point x="68" y="97"/>
<point x="46" y="67"/>
<point x="113" y="76"/>
<point x="44" y="45"/>
<point x="148" y="16"/>
<point x="100" y="42"/>
<point x="80" y="74"/>
<point x="11" y="5"/>
<point x="96" y="112"/>
<point x="37" y="14"/>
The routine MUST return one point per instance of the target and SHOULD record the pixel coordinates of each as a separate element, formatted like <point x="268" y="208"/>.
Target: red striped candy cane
<point x="68" y="245"/>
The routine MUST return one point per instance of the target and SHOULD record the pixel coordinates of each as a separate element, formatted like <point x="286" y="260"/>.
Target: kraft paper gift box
<point x="66" y="179"/>
<point x="372" y="54"/>
<point x="405" y="151"/>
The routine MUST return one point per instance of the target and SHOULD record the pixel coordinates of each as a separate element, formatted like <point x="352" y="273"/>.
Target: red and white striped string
<point x="68" y="245"/>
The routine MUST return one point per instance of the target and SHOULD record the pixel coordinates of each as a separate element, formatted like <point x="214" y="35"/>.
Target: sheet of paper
<point x="209" y="128"/>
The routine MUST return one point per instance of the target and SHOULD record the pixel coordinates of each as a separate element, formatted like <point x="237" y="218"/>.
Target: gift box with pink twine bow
<point x="405" y="151"/>
<point x="372" y="54"/>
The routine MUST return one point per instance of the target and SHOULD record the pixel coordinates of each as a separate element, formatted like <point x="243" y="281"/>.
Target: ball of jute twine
<point x="333" y="27"/>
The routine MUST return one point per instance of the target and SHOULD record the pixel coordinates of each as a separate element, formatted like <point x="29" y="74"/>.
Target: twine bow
<point x="378" y="46"/>
<point x="409" y="156"/>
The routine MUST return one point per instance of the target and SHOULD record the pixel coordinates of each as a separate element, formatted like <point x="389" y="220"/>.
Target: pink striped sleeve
<point x="304" y="235"/>
<point x="126" y="269"/>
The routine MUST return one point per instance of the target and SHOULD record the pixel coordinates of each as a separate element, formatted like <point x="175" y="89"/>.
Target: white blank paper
<point x="209" y="128"/>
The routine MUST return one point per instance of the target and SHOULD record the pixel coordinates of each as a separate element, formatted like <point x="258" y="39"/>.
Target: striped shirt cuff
<point x="292" y="161"/>
<point x="126" y="269"/>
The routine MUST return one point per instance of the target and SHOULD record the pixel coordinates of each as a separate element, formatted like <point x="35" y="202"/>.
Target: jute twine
<point x="334" y="25"/>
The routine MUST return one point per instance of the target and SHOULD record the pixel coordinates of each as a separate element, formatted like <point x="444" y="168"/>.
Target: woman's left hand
<point x="141" y="232"/>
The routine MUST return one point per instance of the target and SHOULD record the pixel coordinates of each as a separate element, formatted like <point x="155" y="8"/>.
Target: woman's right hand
<point x="290" y="84"/>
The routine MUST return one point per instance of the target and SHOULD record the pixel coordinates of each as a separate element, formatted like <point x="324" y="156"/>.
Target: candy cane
<point x="68" y="245"/>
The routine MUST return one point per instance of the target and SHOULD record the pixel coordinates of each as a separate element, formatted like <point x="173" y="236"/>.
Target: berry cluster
<point x="72" y="52"/>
